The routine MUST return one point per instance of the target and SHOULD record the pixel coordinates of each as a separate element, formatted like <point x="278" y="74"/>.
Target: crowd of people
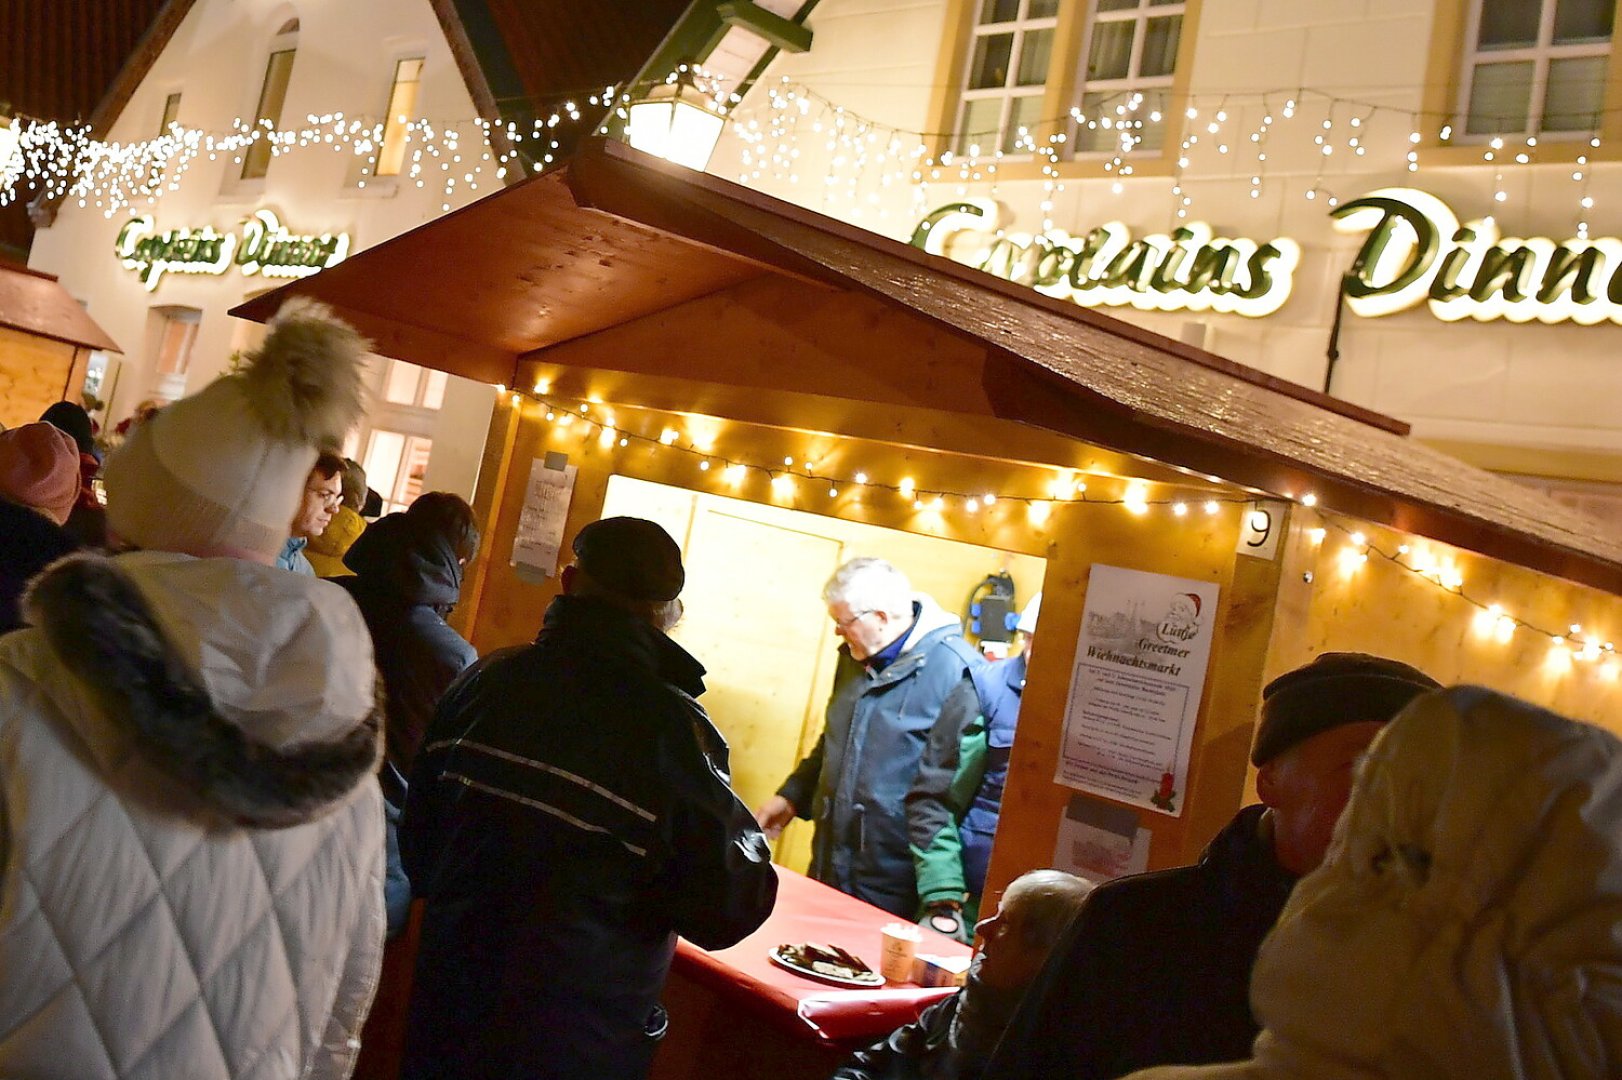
<point x="239" y="737"/>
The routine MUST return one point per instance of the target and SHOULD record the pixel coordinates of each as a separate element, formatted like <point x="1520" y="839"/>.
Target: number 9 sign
<point x="1258" y="532"/>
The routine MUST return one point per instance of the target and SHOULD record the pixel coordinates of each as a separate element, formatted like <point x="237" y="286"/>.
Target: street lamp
<point x="678" y="122"/>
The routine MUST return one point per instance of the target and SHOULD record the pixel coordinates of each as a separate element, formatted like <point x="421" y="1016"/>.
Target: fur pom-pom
<point x="305" y="379"/>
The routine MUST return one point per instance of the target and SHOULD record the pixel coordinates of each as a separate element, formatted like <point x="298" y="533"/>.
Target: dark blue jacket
<point x="406" y="580"/>
<point x="569" y="815"/>
<point x="854" y="783"/>
<point x="1000" y="687"/>
<point x="1154" y="970"/>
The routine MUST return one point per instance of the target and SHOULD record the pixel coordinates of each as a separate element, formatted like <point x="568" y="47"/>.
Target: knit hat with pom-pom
<point x="221" y="472"/>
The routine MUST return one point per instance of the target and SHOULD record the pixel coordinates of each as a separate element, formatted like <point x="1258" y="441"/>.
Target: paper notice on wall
<point x="1135" y="690"/>
<point x="1100" y="841"/>
<point x="545" y="510"/>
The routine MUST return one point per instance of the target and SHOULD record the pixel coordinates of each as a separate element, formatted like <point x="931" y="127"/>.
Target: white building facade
<point x="1379" y="156"/>
<point x="162" y="274"/>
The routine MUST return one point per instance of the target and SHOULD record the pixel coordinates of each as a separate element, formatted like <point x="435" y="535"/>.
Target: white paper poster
<point x="1100" y="841"/>
<point x="1135" y="691"/>
<point x="546" y="509"/>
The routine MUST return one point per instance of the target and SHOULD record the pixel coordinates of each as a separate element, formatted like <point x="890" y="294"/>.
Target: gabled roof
<point x="518" y="55"/>
<point x="36" y="304"/>
<point x="615" y="235"/>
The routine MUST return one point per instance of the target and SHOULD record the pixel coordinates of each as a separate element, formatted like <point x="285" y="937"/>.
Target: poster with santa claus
<point x="1135" y="691"/>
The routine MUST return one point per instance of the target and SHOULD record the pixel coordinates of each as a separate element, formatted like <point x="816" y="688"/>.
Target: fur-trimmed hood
<point x="253" y="688"/>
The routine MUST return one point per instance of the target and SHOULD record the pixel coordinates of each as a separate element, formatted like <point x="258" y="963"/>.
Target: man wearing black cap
<point x="1155" y="969"/>
<point x="570" y="814"/>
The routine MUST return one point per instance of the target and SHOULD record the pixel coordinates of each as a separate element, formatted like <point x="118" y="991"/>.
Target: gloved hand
<point x="946" y="917"/>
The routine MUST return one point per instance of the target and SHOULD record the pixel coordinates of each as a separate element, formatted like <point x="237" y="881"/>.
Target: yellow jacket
<point x="326" y="552"/>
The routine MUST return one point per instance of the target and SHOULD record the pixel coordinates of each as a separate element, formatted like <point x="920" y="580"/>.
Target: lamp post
<point x="676" y="121"/>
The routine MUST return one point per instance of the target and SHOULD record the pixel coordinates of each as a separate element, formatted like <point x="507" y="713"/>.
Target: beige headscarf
<point x="1468" y="920"/>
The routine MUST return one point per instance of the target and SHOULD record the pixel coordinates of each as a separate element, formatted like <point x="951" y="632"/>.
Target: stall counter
<point x="734" y="1013"/>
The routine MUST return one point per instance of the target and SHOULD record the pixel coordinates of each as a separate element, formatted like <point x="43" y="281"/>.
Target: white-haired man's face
<point x="866" y="630"/>
<point x="1010" y="957"/>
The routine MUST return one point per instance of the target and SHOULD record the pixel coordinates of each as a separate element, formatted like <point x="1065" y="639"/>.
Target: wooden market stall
<point x="771" y="383"/>
<point x="46" y="339"/>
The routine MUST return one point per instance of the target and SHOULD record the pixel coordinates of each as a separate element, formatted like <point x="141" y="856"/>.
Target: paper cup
<point x="896" y="954"/>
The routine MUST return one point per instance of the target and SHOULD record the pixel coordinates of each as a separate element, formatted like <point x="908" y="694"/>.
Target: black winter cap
<point x="631" y="556"/>
<point x="71" y="418"/>
<point x="1336" y="688"/>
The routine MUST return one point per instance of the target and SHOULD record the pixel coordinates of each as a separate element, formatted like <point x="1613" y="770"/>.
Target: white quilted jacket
<point x="1467" y="924"/>
<point x="191" y="839"/>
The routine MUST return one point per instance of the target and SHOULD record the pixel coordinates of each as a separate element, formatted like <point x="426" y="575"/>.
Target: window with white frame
<point x="402" y="103"/>
<point x="272" y="96"/>
<point x="407" y="384"/>
<point x="1127" y="69"/>
<point x="175" y="332"/>
<point x="395" y="465"/>
<point x="1009" y="50"/>
<point x="1535" y="67"/>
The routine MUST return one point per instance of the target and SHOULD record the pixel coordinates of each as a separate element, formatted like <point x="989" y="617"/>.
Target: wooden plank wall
<point x="34" y="372"/>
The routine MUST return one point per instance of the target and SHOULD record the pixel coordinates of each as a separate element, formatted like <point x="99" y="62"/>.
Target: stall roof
<point x="35" y="303"/>
<point x="613" y="235"/>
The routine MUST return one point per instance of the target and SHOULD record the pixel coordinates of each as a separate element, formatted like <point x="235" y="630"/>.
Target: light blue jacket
<point x="292" y="556"/>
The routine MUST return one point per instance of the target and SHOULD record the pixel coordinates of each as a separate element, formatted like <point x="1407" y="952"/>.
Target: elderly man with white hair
<point x="915" y="685"/>
<point x="952" y="1039"/>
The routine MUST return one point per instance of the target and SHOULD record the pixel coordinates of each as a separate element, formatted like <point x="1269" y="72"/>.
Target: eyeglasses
<point x="329" y="499"/>
<point x="846" y="624"/>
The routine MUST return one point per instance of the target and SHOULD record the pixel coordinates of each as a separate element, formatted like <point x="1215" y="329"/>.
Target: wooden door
<point x="755" y="617"/>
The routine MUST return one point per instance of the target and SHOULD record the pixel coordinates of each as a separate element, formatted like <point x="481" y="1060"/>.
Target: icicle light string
<point x="59" y="161"/>
<point x="774" y="128"/>
<point x="62" y="161"/>
<point x="789" y="472"/>
<point x="1492" y="619"/>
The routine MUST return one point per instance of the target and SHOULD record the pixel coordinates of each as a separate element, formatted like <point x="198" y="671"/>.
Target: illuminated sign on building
<point x="1417" y="252"/>
<point x="262" y="246"/>
<point x="1188" y="269"/>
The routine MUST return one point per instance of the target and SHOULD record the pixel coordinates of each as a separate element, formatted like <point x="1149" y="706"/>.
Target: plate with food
<point x="826" y="963"/>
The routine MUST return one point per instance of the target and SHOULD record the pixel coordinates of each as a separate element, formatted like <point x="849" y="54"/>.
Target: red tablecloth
<point x="810" y="911"/>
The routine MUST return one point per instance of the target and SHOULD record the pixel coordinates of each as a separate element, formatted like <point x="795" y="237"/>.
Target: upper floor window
<point x="1536" y="67"/>
<point x="408" y="384"/>
<point x="402" y="103"/>
<point x="1118" y="69"/>
<point x="272" y="95"/>
<point x="1127" y="70"/>
<point x="171" y="113"/>
<point x="1012" y="43"/>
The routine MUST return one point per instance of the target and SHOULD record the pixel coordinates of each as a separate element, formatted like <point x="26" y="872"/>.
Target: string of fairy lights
<point x="850" y="164"/>
<point x="863" y="159"/>
<point x="60" y="161"/>
<point x="800" y="482"/>
<point x="789" y="476"/>
<point x="1492" y="620"/>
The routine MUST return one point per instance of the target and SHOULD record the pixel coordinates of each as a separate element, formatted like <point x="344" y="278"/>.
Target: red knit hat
<point x="39" y="467"/>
